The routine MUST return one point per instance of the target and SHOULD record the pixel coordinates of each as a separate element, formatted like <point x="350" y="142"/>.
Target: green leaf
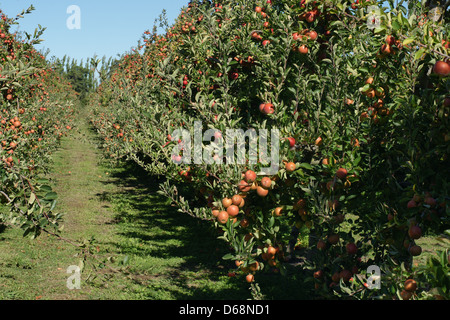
<point x="53" y="205"/>
<point x="365" y="88"/>
<point x="45" y="189"/>
<point x="51" y="196"/>
<point x="408" y="41"/>
<point x="419" y="54"/>
<point x="352" y="71"/>
<point x="337" y="23"/>
<point x="271" y="222"/>
<point x="379" y="29"/>
<point x="363" y="69"/>
<point x="228" y="256"/>
<point x="400" y="18"/>
<point x="81" y="265"/>
<point x="395" y="25"/>
<point x="306" y="166"/>
<point x="411" y="19"/>
<point x="32" y="199"/>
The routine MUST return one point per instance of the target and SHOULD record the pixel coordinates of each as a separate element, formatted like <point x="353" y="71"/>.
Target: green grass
<point x="170" y="256"/>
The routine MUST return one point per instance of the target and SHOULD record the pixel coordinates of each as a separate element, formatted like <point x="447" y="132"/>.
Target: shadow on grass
<point x="156" y="230"/>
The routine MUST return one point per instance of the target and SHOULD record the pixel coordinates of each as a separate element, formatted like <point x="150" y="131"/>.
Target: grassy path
<point x="160" y="253"/>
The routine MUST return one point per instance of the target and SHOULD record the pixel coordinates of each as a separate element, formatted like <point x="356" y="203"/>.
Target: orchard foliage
<point x="363" y="116"/>
<point x="36" y="108"/>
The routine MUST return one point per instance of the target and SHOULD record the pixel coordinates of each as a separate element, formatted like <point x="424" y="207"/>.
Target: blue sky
<point x="108" y="28"/>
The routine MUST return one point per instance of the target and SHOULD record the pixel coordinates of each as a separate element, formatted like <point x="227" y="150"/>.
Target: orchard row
<point x="363" y="115"/>
<point x="36" y="110"/>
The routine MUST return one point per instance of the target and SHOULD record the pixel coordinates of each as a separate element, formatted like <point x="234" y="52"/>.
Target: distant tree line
<point x="80" y="74"/>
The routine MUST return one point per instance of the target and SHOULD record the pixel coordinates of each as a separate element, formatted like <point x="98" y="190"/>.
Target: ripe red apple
<point x="445" y="43"/>
<point x="415" y="250"/>
<point x="312" y="35"/>
<point x="341" y="173"/>
<point x="411" y="204"/>
<point x="291" y="142"/>
<point x="386" y="49"/>
<point x="406" y="295"/>
<point x="390" y="40"/>
<point x="415" y="232"/>
<point x="351" y="248"/>
<point x="250" y="176"/>
<point x="268" y="108"/>
<point x="290" y="167"/>
<point x="336" y="277"/>
<point x="266" y="182"/>
<point x="441" y="68"/>
<point x="318" y="274"/>
<point x="310" y="17"/>
<point x="262" y="192"/>
<point x="333" y="238"/>
<point x="410" y="285"/>
<point x="321" y="245"/>
<point x="430" y="201"/>
<point x="303" y="49"/>
<point x="233" y="75"/>
<point x="345" y="275"/>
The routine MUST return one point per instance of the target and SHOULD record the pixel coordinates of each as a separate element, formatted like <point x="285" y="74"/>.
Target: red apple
<point x="268" y="108"/>
<point x="351" y="248"/>
<point x="411" y="204"/>
<point x="250" y="176"/>
<point x="341" y="173"/>
<point x="441" y="68"/>
<point x="291" y="142"/>
<point x="415" y="232"/>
